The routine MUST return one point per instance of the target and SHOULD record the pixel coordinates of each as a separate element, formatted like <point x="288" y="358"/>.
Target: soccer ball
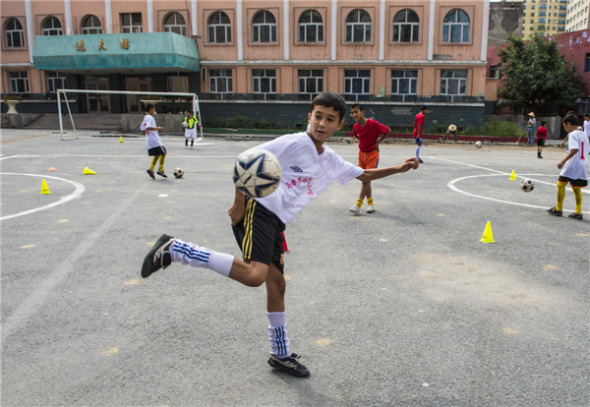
<point x="527" y="185"/>
<point x="178" y="172"/>
<point x="478" y="144"/>
<point x="185" y="125"/>
<point x="257" y="173"/>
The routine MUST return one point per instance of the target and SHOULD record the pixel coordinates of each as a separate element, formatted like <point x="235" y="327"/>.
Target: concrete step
<point x="107" y="122"/>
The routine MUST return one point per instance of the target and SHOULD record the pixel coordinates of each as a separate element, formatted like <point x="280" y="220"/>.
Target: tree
<point x="534" y="72"/>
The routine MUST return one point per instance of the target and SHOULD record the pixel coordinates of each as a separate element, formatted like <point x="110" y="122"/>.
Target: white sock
<point x="197" y="256"/>
<point x="277" y="334"/>
<point x="418" y="151"/>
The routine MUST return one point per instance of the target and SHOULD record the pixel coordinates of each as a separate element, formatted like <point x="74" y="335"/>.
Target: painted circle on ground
<point x="79" y="190"/>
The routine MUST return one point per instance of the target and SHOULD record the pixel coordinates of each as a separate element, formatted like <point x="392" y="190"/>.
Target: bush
<point x="500" y="129"/>
<point x="238" y="122"/>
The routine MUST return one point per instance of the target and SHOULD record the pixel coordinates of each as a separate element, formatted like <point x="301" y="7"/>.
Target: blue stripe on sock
<point x="280" y="340"/>
<point x="190" y="252"/>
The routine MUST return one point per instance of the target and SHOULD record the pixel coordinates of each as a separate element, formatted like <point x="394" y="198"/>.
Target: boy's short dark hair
<point x="358" y="106"/>
<point x="543" y="123"/>
<point x="587" y="115"/>
<point x="571" y="119"/>
<point x="187" y="110"/>
<point x="424" y="108"/>
<point x="149" y="107"/>
<point x="330" y="99"/>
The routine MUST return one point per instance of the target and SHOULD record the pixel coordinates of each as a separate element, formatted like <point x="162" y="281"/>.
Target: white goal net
<point x="64" y="93"/>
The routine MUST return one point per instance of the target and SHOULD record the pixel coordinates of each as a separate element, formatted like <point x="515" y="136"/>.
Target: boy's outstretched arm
<point x="238" y="209"/>
<point x="377" y="173"/>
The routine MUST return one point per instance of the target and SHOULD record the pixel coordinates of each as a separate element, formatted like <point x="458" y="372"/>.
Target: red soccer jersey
<point x="368" y="134"/>
<point x="542" y="133"/>
<point x="419" y="122"/>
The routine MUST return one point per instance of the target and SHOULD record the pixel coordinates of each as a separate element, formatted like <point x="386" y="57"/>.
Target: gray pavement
<point x="403" y="307"/>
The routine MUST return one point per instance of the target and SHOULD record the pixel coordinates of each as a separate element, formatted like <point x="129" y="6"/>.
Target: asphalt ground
<point x="402" y="307"/>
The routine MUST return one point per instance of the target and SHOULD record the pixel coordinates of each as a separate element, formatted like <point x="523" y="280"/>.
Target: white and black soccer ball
<point x="478" y="144"/>
<point x="257" y="173"/>
<point x="185" y="125"/>
<point x="527" y="185"/>
<point x="178" y="172"/>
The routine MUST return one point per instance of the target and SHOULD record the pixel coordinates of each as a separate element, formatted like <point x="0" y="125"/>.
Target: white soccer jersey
<point x="577" y="166"/>
<point x="152" y="137"/>
<point x="587" y="128"/>
<point x="305" y="173"/>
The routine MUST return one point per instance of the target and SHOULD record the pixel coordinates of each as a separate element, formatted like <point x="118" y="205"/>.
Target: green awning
<point x="116" y="53"/>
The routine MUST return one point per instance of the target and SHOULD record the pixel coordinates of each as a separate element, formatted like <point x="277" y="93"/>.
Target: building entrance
<point x="97" y="103"/>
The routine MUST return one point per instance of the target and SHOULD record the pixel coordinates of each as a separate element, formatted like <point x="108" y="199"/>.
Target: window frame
<point x="366" y="84"/>
<point x="272" y="83"/>
<point x="50" y="78"/>
<point x="15" y="81"/>
<point x="469" y="12"/>
<point x="132" y="26"/>
<point x="411" y="79"/>
<point x="319" y="80"/>
<point x="272" y="28"/>
<point x="85" y="30"/>
<point x="227" y="28"/>
<point x="47" y="32"/>
<point x="413" y="25"/>
<point x="227" y="79"/>
<point x="6" y="32"/>
<point x="319" y="26"/>
<point x="464" y="80"/>
<point x="168" y="27"/>
<point x="346" y="25"/>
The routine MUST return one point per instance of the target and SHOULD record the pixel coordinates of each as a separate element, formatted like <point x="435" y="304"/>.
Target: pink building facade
<point x="401" y="54"/>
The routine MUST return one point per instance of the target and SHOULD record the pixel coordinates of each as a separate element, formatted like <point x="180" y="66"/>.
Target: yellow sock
<point x="560" y="195"/>
<point x="162" y="159"/>
<point x="370" y="201"/>
<point x="578" y="196"/>
<point x="359" y="203"/>
<point x="154" y="161"/>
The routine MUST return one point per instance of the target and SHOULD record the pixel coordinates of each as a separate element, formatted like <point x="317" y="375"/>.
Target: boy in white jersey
<point x="574" y="168"/>
<point x="308" y="168"/>
<point x="153" y="142"/>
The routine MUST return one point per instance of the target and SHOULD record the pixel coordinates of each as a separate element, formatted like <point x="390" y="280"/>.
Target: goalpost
<point x="193" y="96"/>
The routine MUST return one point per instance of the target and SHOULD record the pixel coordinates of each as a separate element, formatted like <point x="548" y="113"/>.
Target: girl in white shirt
<point x="154" y="143"/>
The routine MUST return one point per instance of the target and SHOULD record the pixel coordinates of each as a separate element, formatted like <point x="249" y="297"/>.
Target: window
<point x="358" y="26"/>
<point x="174" y="23"/>
<point x="220" y="81"/>
<point x="542" y="20"/>
<point x="52" y="26"/>
<point x="19" y="82"/>
<point x="357" y="84"/>
<point x="55" y="81"/>
<point x="456" y="26"/>
<point x="311" y="27"/>
<point x="404" y="83"/>
<point x="264" y="27"/>
<point x="587" y="62"/>
<point x="14" y="34"/>
<point x="219" y="28"/>
<point x="131" y="23"/>
<point x="542" y="13"/>
<point x="495" y="71"/>
<point x="311" y="82"/>
<point x="406" y="26"/>
<point x="265" y="83"/>
<point x="453" y="83"/>
<point x="91" y="25"/>
<point x="178" y="84"/>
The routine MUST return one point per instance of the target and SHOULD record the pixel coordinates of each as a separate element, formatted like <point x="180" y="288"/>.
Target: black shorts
<point x="259" y="235"/>
<point x="575" y="183"/>
<point x="541" y="142"/>
<point x="160" y="150"/>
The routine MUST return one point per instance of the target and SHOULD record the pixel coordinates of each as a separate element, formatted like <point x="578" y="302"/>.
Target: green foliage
<point x="534" y="72"/>
<point x="237" y="122"/>
<point x="500" y="129"/>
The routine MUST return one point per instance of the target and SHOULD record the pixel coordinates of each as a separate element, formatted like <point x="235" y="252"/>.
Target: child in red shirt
<point x="541" y="137"/>
<point x="369" y="133"/>
<point x="418" y="129"/>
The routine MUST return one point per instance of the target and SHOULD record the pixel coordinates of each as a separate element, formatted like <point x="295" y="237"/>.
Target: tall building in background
<point x="505" y="20"/>
<point x="545" y="17"/>
<point x="578" y="15"/>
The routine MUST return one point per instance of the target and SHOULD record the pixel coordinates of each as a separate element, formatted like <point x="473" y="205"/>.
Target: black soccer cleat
<point x="420" y="161"/>
<point x="577" y="216"/>
<point x="151" y="173"/>
<point x="289" y="365"/>
<point x="158" y="256"/>
<point x="554" y="212"/>
<point x="161" y="174"/>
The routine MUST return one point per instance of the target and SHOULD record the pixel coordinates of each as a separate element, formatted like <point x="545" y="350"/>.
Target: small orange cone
<point x="44" y="188"/>
<point x="52" y="169"/>
<point x="488" y="236"/>
<point x="88" y="171"/>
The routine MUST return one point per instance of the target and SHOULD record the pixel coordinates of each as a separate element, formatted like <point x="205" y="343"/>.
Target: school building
<point x="264" y="60"/>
